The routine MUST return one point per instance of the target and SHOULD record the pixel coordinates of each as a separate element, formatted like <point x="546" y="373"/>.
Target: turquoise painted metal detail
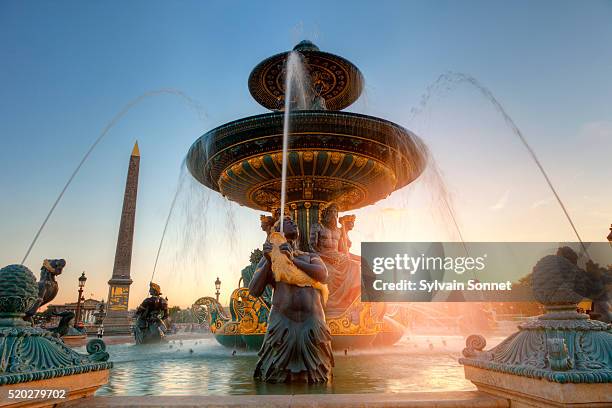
<point x="30" y="353"/>
<point x="562" y="345"/>
<point x="247" y="274"/>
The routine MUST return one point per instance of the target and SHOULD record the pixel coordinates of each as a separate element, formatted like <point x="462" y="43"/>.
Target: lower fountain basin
<point x="204" y="367"/>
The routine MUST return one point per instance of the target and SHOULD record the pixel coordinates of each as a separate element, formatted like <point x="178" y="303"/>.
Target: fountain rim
<point x="253" y="118"/>
<point x="307" y="112"/>
<point x="202" y="169"/>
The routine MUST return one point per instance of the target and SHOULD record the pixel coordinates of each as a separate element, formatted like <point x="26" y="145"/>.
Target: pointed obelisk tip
<point x="135" y="151"/>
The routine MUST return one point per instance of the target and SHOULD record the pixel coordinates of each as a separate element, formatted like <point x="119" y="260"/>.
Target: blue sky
<point x="66" y="68"/>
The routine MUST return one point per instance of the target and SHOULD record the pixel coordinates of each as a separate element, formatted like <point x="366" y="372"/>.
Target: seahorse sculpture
<point x="209" y="310"/>
<point x="285" y="271"/>
<point x="251" y="312"/>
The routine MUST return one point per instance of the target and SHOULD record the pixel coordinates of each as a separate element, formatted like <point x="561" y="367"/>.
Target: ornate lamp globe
<point x="218" y="284"/>
<point x="18" y="292"/>
<point x="82" y="280"/>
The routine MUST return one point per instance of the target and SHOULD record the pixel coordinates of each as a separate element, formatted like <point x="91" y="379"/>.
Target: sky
<point x="67" y="68"/>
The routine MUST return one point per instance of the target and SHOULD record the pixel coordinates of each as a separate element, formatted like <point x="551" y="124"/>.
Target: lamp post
<point x="77" y="318"/>
<point x="217" y="287"/>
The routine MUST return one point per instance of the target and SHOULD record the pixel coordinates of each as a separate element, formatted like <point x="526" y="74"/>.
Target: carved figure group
<point x="332" y="244"/>
<point x="297" y="344"/>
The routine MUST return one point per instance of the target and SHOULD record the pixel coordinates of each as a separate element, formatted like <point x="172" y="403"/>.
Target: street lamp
<point x="217" y="287"/>
<point x="77" y="318"/>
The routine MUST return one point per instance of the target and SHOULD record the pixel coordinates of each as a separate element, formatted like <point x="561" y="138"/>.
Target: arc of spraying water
<point x="455" y="77"/>
<point x="161" y="241"/>
<point x="106" y="129"/>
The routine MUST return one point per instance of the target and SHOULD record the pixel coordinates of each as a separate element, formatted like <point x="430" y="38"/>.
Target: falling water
<point x="296" y="85"/>
<point x="199" y="242"/>
<point x="438" y="180"/>
<point x="176" y="194"/>
<point x="431" y="179"/>
<point x="448" y="81"/>
<point x="190" y="102"/>
<point x="288" y="81"/>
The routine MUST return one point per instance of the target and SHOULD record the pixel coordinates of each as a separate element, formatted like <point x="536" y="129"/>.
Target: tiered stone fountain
<point x="334" y="157"/>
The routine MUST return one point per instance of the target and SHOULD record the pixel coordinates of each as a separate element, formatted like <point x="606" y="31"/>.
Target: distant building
<point x="90" y="311"/>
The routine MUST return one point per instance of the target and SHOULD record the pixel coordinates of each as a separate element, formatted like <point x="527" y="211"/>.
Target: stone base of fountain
<point x="561" y="358"/>
<point x="76" y="387"/>
<point x="538" y="392"/>
<point x="452" y="399"/>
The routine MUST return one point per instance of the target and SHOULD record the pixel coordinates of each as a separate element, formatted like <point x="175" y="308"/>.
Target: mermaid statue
<point x="297" y="344"/>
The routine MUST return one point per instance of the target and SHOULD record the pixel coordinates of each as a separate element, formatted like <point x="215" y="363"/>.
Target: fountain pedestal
<point x="70" y="388"/>
<point x="533" y="392"/>
<point x="561" y="358"/>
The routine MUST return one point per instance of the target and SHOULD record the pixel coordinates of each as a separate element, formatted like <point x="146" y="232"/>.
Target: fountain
<point x="36" y="358"/>
<point x="335" y="162"/>
<point x="561" y="358"/>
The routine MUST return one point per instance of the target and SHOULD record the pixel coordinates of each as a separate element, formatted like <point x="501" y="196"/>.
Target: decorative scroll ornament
<point x="360" y="318"/>
<point x="252" y="312"/>
<point x="248" y="314"/>
<point x="208" y="309"/>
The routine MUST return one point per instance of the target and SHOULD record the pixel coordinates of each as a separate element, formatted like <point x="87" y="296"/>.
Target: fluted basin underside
<point x="351" y="159"/>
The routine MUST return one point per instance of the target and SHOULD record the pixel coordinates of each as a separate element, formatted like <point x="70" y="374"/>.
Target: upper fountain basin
<point x="337" y="80"/>
<point x="351" y="159"/>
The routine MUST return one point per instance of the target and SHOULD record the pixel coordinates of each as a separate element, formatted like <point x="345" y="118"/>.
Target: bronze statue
<point x="332" y="245"/>
<point x="599" y="288"/>
<point x="150" y="315"/>
<point x="63" y="326"/>
<point x="47" y="285"/>
<point x="267" y="222"/>
<point x="593" y="282"/>
<point x="347" y="223"/>
<point x="297" y="345"/>
<point x="100" y="313"/>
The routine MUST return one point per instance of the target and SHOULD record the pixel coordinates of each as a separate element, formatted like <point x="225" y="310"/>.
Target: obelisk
<point x="117" y="321"/>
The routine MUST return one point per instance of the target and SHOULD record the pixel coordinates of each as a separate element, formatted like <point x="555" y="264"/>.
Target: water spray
<point x="161" y="241"/>
<point x="457" y="77"/>
<point x="191" y="102"/>
<point x="291" y="61"/>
